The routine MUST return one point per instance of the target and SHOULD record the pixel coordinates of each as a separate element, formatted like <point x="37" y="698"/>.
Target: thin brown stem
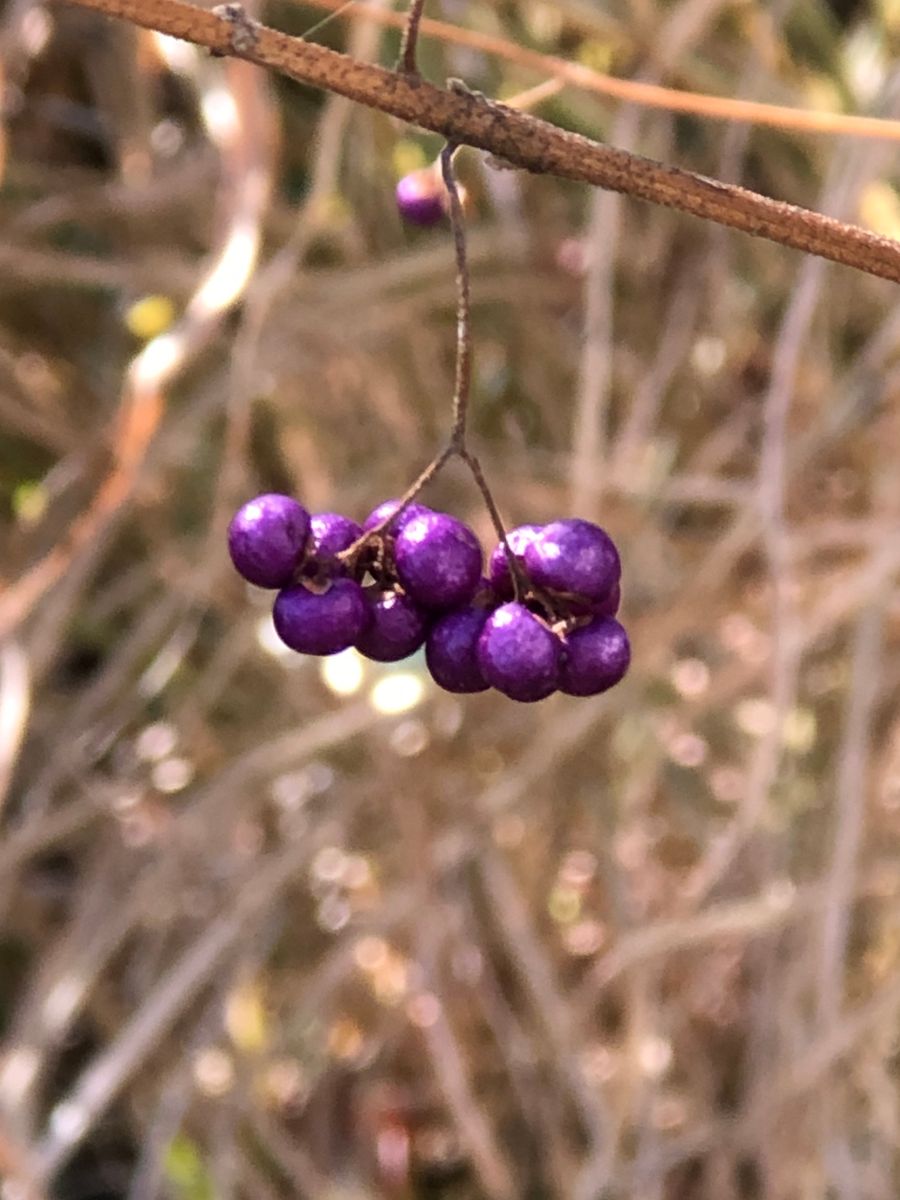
<point x="520" y="582"/>
<point x="416" y="486"/>
<point x="456" y="442"/>
<point x="408" y="45"/>
<point x="352" y="553"/>
<point x="463" y="382"/>
<point x="478" y="475"/>
<point x="519" y="138"/>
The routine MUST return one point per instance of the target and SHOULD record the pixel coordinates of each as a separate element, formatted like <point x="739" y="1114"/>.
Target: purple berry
<point x="396" y="628"/>
<point x="438" y="560"/>
<point x="451" y="650"/>
<point x="518" y="654"/>
<point x="267" y="539"/>
<point x="331" y="533"/>
<point x="573" y="556"/>
<point x="498" y="567"/>
<point x="594" y="658"/>
<point x="387" y="508"/>
<point x="321" y="622"/>
<point x="422" y="197"/>
<point x="485" y="596"/>
<point x="609" y="605"/>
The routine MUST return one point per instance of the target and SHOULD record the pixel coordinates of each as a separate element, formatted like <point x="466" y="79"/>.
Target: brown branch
<point x="520" y="139"/>
<point x="629" y="91"/>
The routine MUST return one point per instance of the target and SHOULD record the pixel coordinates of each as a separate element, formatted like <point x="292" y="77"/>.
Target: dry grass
<point x="259" y="938"/>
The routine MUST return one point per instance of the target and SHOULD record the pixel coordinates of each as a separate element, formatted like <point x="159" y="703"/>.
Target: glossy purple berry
<point x="396" y="627"/>
<point x="451" y="650"/>
<point x="518" y="654"/>
<point x="267" y="539"/>
<point x="609" y="605"/>
<point x="594" y="658"/>
<point x="438" y="560"/>
<point x="498" y="567"/>
<point x="330" y="534"/>
<point x="387" y="508"/>
<point x="422" y="197"/>
<point x="573" y="556"/>
<point x="321" y="622"/>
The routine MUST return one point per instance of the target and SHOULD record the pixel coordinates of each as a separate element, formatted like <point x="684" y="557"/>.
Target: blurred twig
<point x="243" y="142"/>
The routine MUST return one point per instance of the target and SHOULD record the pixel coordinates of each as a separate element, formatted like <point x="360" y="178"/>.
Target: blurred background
<point x="273" y="927"/>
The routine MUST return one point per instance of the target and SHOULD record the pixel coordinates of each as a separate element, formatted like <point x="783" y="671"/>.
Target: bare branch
<point x="520" y="139"/>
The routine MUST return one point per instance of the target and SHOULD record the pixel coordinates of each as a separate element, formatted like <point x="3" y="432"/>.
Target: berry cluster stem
<point x="463" y="381"/>
<point x="456" y="445"/>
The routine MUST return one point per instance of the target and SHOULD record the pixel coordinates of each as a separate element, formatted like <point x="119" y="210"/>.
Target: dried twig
<point x="244" y="148"/>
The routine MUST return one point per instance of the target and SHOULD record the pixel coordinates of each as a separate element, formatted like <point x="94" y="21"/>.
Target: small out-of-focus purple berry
<point x="451" y="650"/>
<point x="331" y="533"/>
<point x="396" y="628"/>
<point x="387" y="508"/>
<point x="267" y="539"/>
<point x="573" y="556"/>
<point x="438" y="560"/>
<point x="314" y="622"/>
<point x="595" y="657"/>
<point x="422" y="197"/>
<point x="518" y="654"/>
<point x="498" y="567"/>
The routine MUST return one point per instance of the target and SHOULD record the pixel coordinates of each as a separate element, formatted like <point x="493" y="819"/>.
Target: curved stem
<point x="520" y="581"/>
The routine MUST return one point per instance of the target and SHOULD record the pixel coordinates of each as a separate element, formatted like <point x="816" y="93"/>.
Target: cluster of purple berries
<point x="416" y="579"/>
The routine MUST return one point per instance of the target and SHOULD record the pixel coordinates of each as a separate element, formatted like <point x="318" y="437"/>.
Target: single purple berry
<point x="314" y="622"/>
<point x="267" y="539"/>
<point x="609" y="605"/>
<point x="396" y="628"/>
<point x="331" y="533"/>
<point x="438" y="560"/>
<point x="422" y="197"/>
<point x="498" y="567"/>
<point x="387" y="508"/>
<point x="594" y="658"/>
<point x="451" y="650"/>
<point x="518" y="654"/>
<point x="573" y="556"/>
